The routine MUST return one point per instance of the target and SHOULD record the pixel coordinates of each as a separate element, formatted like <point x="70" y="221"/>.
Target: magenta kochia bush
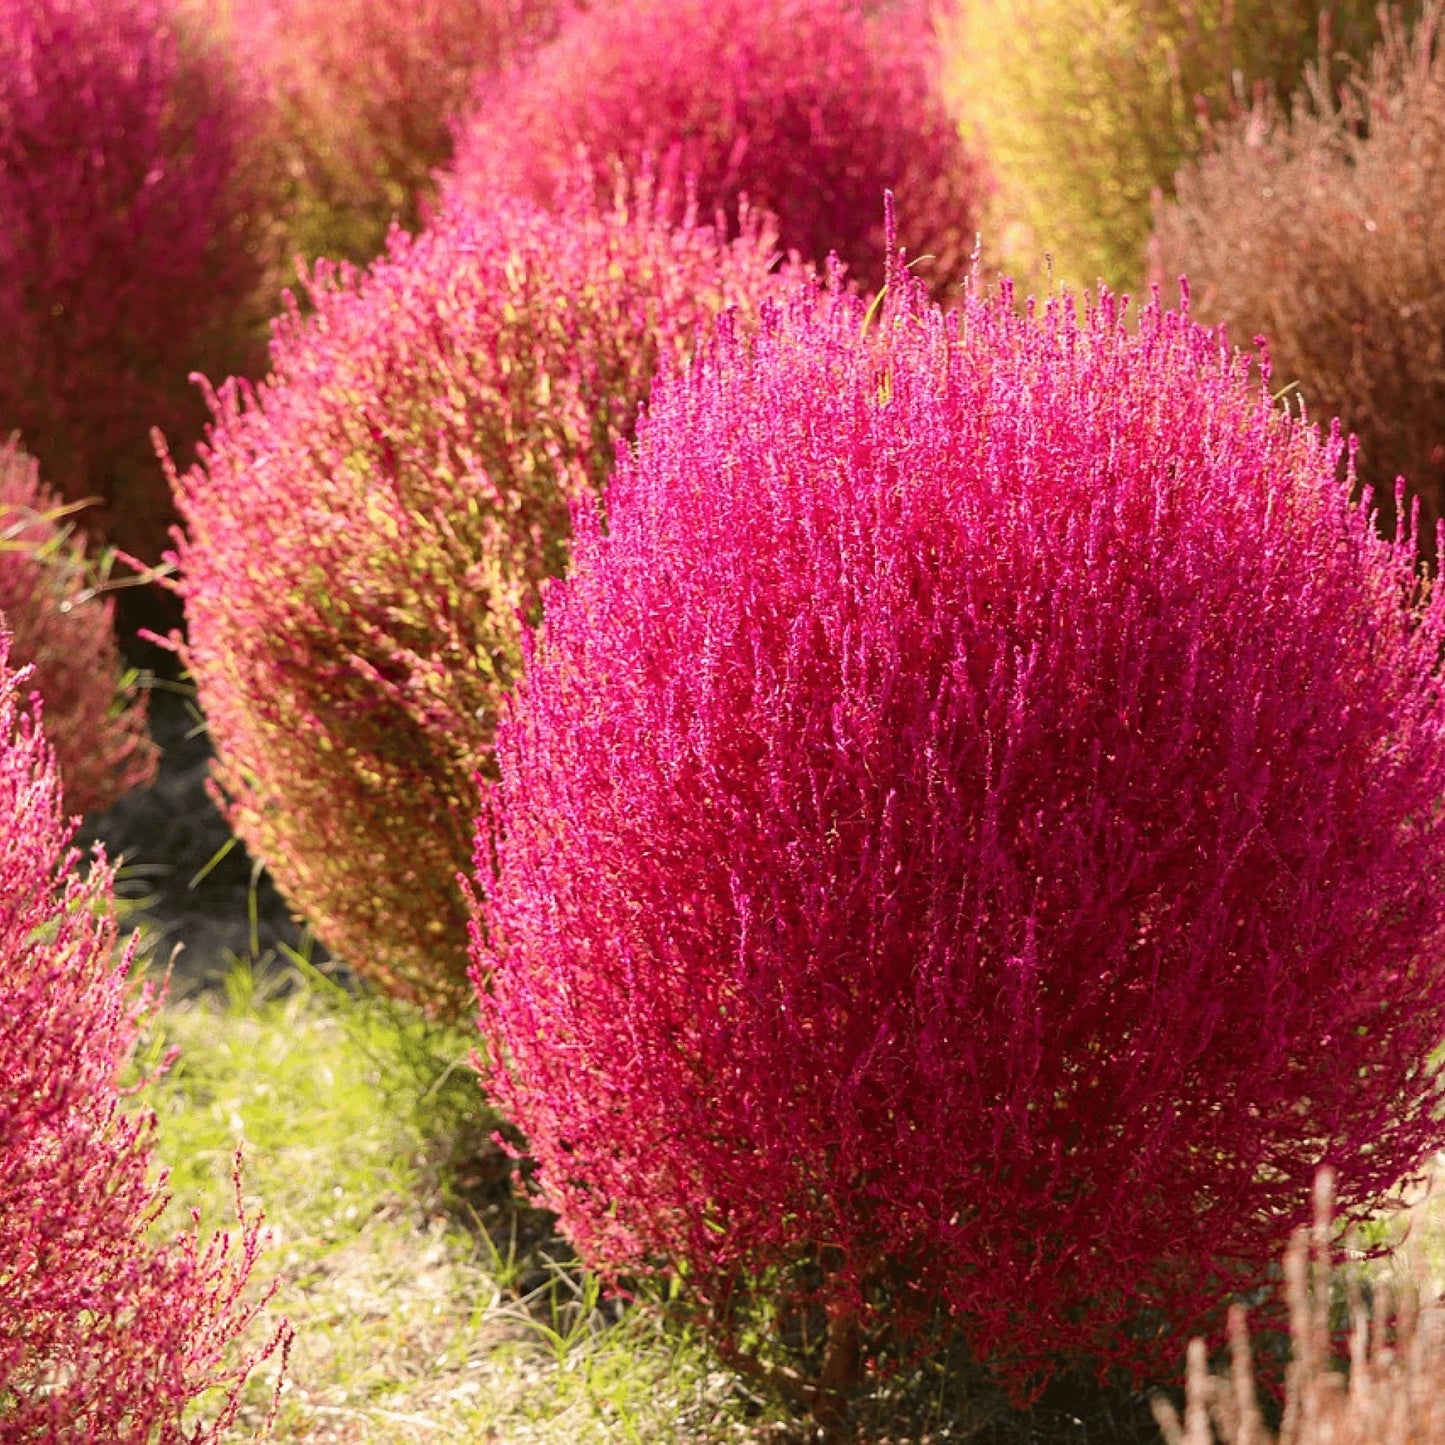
<point x="969" y="837"/>
<point x="810" y="108"/>
<point x="365" y="528"/>
<point x="59" y="628"/>
<point x="130" y="248"/>
<point x="107" y="1333"/>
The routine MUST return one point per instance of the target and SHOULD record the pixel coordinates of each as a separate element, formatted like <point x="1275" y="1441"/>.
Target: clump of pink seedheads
<point x="94" y="722"/>
<point x="130" y="249"/>
<point x="107" y="1332"/>
<point x="368" y="528"/>
<point x="968" y="843"/>
<point x="809" y="108"/>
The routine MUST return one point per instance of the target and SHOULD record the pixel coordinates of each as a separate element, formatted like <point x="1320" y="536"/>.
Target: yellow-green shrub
<point x="1086" y="106"/>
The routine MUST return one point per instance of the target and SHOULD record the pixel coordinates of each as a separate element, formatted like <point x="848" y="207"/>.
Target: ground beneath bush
<point x="188" y="878"/>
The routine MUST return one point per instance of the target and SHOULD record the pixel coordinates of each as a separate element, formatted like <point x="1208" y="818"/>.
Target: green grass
<point x="427" y="1304"/>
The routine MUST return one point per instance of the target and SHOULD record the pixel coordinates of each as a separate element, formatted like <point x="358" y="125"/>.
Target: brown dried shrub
<point x="1324" y="231"/>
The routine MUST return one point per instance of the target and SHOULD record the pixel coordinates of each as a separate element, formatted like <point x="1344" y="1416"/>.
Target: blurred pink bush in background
<point x="93" y="722"/>
<point x="132" y="245"/>
<point x="361" y="96"/>
<point x="809" y="108"/>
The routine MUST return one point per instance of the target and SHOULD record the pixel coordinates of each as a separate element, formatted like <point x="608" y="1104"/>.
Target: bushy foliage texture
<point x="968" y="838"/>
<point x="106" y="1332"/>
<point x="361" y="96"/>
<point x="1086" y="107"/>
<point x="130" y="253"/>
<point x="368" y="527"/>
<point x="1321" y="228"/>
<point x="809" y="108"/>
<point x="63" y="632"/>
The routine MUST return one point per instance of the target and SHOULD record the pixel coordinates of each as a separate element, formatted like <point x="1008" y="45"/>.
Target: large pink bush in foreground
<point x="368" y="528"/>
<point x="969" y="839"/>
<point x="107" y="1332"/>
<point x="130" y="247"/>
<point x="94" y="722"/>
<point x="810" y="108"/>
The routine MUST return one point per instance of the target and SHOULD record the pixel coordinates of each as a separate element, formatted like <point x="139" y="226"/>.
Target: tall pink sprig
<point x="969" y="840"/>
<point x="107" y="1331"/>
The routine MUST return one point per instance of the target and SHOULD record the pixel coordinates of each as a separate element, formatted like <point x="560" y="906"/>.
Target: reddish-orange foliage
<point x="369" y="527"/>
<point x="95" y="724"/>
<point x="106" y="1334"/>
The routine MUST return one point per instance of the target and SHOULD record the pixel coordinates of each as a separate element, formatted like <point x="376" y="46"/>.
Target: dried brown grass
<point x="1393" y="1393"/>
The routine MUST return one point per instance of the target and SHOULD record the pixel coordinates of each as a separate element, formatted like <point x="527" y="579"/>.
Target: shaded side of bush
<point x="968" y="842"/>
<point x="808" y="108"/>
<point x="94" y="721"/>
<point x="369" y="527"/>
<point x="105" y="1333"/>
<point x="130" y="246"/>
<point x="1323" y="230"/>
<point x="1085" y="107"/>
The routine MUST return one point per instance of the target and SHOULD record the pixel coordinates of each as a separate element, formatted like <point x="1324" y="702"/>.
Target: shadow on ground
<point x="187" y="878"/>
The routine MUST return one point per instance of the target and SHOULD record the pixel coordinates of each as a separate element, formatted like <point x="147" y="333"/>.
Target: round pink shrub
<point x="968" y="842"/>
<point x="130" y="253"/>
<point x="106" y="1333"/>
<point x="367" y="527"/>
<point x="809" y="108"/>
<point x="94" y="721"/>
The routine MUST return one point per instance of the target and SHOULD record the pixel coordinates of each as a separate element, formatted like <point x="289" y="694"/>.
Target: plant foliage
<point x="63" y="631"/>
<point x="368" y="528"/>
<point x="130" y="246"/>
<point x="105" y="1333"/>
<point x="1086" y="107"/>
<point x="1321" y="228"/>
<point x="807" y="108"/>
<point x="361" y="95"/>
<point x="968" y="839"/>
